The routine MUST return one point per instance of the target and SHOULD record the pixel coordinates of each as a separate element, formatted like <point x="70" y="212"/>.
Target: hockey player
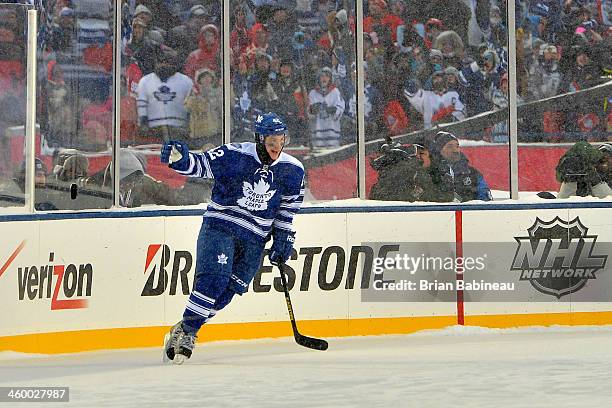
<point x="257" y="191"/>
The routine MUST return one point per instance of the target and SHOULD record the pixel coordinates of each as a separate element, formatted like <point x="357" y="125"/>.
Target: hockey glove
<point x="411" y="88"/>
<point x="315" y="108"/>
<point x="282" y="245"/>
<point x="176" y="154"/>
<point x="331" y="110"/>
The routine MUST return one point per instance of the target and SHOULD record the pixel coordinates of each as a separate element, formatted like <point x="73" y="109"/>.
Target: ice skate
<point x="171" y="341"/>
<point x="184" y="348"/>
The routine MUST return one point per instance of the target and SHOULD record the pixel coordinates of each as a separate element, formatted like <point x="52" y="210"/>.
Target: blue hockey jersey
<point x="249" y="198"/>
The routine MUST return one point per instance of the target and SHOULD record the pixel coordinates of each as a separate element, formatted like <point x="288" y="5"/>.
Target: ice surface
<point x="454" y="367"/>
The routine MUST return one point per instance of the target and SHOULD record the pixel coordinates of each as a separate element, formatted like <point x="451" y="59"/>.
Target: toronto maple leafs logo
<point x="256" y="196"/>
<point x="222" y="259"/>
<point x="164" y="94"/>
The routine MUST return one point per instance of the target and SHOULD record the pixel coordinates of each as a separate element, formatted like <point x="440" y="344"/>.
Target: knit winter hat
<point x="342" y="17"/>
<point x="142" y="9"/>
<point x="380" y="3"/>
<point x="435" y="53"/>
<point x="442" y="138"/>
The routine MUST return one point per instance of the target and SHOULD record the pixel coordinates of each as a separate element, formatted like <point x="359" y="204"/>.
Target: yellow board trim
<point x="118" y="338"/>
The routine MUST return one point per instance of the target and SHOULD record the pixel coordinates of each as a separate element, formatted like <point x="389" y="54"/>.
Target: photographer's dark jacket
<point x="467" y="182"/>
<point x="402" y="177"/>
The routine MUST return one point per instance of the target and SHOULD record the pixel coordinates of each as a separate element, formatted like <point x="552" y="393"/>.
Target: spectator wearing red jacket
<point x="239" y="37"/>
<point x="207" y="55"/>
<point x="259" y="44"/>
<point x="380" y="16"/>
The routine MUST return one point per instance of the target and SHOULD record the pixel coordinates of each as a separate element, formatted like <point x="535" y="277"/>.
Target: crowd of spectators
<point x="426" y="63"/>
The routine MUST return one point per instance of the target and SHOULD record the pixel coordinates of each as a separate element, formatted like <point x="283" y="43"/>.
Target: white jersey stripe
<point x="203" y="297"/>
<point x="261" y="221"/>
<point x="237" y="221"/>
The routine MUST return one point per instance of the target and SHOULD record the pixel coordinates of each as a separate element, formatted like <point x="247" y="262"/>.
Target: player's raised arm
<point x="207" y="164"/>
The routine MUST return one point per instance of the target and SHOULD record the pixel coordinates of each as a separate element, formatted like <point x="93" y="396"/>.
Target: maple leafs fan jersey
<point x="249" y="198"/>
<point x="164" y="102"/>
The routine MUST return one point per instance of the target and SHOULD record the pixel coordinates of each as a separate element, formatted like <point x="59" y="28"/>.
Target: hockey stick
<point x="305" y="341"/>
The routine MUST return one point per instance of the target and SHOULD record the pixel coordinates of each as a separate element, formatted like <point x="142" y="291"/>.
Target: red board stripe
<point x="459" y="254"/>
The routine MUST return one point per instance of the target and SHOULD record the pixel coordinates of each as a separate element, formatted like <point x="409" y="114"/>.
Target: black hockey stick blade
<point x="304" y="341"/>
<point x="311" y="342"/>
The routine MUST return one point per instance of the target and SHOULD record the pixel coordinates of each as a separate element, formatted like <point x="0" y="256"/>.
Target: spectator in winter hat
<point x="544" y="75"/>
<point x="62" y="35"/>
<point x="450" y="162"/>
<point x="433" y="28"/>
<point x="380" y="16"/>
<point x="261" y="96"/>
<point x="143" y="13"/>
<point x="492" y="68"/>
<point x="198" y="11"/>
<point x="281" y="28"/>
<point x="326" y="107"/>
<point x="259" y="42"/>
<point x="239" y="37"/>
<point x="184" y="38"/>
<point x="446" y="145"/>
<point x="454" y="14"/>
<point x="161" y="96"/>
<point x="66" y="12"/>
<point x="205" y="106"/>
<point x="436" y="59"/>
<point x="207" y="55"/>
<point x="451" y="46"/>
<point x="291" y="94"/>
<point x="454" y="82"/>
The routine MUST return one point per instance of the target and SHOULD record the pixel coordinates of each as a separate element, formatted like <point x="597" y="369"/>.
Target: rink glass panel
<point x="13" y="50"/>
<point x="431" y="72"/>
<point x="190" y="108"/>
<point x="75" y="103"/>
<point x="561" y="100"/>
<point x="296" y="59"/>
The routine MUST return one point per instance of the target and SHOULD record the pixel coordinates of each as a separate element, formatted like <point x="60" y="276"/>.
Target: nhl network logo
<point x="557" y="257"/>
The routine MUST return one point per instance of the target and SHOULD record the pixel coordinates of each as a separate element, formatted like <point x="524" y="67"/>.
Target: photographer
<point x="584" y="170"/>
<point x="405" y="174"/>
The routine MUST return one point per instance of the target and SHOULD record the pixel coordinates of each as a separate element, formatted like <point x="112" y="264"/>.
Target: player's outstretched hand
<point x="176" y="154"/>
<point x="282" y="245"/>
